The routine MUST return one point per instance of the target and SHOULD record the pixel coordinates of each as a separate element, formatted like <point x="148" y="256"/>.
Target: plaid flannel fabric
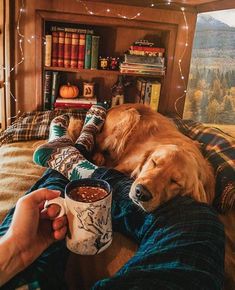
<point x="34" y="125"/>
<point x="219" y="148"/>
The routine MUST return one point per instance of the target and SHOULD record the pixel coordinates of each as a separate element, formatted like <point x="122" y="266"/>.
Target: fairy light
<point x="23" y="38"/>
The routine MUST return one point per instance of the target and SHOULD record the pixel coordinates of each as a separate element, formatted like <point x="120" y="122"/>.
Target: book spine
<point x="147" y="94"/>
<point x="142" y="92"/>
<point x="94" y="51"/>
<point x="147" y="48"/>
<point x="71" y="30"/>
<point x="71" y="105"/>
<point x="81" y="53"/>
<point x="48" y="50"/>
<point x="79" y="100"/>
<point x="67" y="49"/>
<point x="55" y="42"/>
<point x="47" y="90"/>
<point x="55" y="87"/>
<point x="87" y="64"/>
<point x="145" y="53"/>
<point x="61" y="49"/>
<point x="155" y="96"/>
<point x="74" y="50"/>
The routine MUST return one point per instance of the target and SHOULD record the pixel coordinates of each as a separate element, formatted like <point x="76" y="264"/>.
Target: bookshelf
<point x="111" y="44"/>
<point x="167" y="25"/>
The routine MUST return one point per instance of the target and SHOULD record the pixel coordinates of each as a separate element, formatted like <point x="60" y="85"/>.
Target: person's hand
<point x="32" y="230"/>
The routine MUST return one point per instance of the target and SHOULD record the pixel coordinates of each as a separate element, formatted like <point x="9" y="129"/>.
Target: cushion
<point x="219" y="148"/>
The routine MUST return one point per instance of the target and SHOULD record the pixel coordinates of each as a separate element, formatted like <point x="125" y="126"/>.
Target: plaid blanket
<point x="219" y="149"/>
<point x="34" y="125"/>
<point x="181" y="244"/>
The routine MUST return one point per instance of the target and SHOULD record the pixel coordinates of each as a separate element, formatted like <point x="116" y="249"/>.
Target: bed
<point x="18" y="173"/>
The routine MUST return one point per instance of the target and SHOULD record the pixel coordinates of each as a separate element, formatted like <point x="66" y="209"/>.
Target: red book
<point x="55" y="41"/>
<point x="61" y="49"/>
<point x="147" y="48"/>
<point x="67" y="49"/>
<point x="74" y="50"/>
<point x="81" y="51"/>
<point x="72" y="106"/>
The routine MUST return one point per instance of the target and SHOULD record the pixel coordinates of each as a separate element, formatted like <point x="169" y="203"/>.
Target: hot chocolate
<point x="87" y="193"/>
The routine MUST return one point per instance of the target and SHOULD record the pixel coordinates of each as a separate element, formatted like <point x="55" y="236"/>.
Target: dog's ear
<point x="123" y="129"/>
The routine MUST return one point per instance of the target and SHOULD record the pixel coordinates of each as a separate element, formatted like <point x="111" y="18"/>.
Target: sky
<point x="226" y="16"/>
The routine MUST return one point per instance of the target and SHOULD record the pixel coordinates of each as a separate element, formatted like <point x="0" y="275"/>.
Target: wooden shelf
<point x="99" y="72"/>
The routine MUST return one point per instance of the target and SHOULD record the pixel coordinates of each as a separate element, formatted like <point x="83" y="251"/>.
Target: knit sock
<point x="93" y="122"/>
<point x="61" y="154"/>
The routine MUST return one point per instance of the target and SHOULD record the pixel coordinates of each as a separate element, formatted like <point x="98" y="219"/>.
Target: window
<point x="211" y="87"/>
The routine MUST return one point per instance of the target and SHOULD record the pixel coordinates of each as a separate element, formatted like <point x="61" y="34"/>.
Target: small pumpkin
<point x="69" y="91"/>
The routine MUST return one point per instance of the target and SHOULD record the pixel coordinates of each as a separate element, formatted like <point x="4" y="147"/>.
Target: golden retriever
<point x="164" y="163"/>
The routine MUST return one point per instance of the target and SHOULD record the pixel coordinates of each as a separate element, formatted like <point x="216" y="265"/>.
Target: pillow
<point x="34" y="125"/>
<point x="219" y="149"/>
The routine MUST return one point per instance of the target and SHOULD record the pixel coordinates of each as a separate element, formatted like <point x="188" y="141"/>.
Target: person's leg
<point x="181" y="244"/>
<point x="61" y="154"/>
<point x="47" y="272"/>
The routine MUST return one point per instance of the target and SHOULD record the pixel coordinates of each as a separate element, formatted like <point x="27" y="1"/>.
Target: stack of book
<point x="77" y="103"/>
<point x="144" y="59"/>
<point x="72" y="48"/>
<point x="148" y="92"/>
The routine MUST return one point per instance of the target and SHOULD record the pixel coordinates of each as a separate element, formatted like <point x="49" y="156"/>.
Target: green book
<point x="47" y="90"/>
<point x="94" y="51"/>
<point x="54" y="88"/>
<point x="88" y="51"/>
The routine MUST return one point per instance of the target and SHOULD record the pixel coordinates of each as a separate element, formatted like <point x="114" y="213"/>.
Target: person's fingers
<point x="60" y="234"/>
<point x="59" y="223"/>
<point x="51" y="212"/>
<point x="40" y="195"/>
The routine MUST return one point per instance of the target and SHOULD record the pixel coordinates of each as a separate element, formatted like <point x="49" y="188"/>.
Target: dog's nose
<point x="142" y="193"/>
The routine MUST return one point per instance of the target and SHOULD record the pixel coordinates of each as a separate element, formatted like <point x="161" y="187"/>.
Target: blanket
<point x="17" y="172"/>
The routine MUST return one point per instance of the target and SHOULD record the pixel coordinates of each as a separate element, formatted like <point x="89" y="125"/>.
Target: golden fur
<point x="146" y="145"/>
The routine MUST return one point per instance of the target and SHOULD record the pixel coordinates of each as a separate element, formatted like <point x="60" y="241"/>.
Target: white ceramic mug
<point x="90" y="224"/>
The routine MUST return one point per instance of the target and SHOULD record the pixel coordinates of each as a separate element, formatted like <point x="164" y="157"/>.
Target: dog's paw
<point x="98" y="159"/>
<point x="74" y="128"/>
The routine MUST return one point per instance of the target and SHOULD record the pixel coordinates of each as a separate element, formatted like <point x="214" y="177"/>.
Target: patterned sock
<point x="61" y="154"/>
<point x="93" y="122"/>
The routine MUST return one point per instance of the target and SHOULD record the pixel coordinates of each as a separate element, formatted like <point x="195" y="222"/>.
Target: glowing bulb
<point x="182" y="77"/>
<point x="152" y="5"/>
<point x="185" y="91"/>
<point x="90" y="12"/>
<point x="186" y="44"/>
<point x="138" y="14"/>
<point x="108" y="10"/>
<point x="182" y="8"/>
<point x="32" y="36"/>
<point x="179" y="60"/>
<point x="124" y="17"/>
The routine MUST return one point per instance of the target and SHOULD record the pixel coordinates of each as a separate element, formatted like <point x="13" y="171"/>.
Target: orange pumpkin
<point x="69" y="91"/>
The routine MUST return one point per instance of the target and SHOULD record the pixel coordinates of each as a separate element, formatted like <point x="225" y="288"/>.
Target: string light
<point x="22" y="38"/>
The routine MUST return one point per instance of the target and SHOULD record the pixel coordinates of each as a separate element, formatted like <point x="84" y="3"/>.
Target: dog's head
<point x="166" y="172"/>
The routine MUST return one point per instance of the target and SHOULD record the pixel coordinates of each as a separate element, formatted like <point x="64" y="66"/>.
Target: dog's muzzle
<point x="142" y="193"/>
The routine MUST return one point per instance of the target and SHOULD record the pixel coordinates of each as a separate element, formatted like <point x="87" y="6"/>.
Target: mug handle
<point x="59" y="201"/>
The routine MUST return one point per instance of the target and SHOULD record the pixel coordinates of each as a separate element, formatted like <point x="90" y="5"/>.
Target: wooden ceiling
<point x="197" y="5"/>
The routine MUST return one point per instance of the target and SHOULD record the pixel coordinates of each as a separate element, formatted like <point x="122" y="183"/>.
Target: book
<point x="94" y="51"/>
<point x="157" y="61"/>
<point x="142" y="92"/>
<point x="147" y="93"/>
<point x="48" y="47"/>
<point x="61" y="49"/>
<point x="72" y="106"/>
<point x="147" y="48"/>
<point x="142" y="71"/>
<point x="88" y="43"/>
<point x="74" y="50"/>
<point x="54" y="53"/>
<point x="72" y="30"/>
<point x="79" y="100"/>
<point x="81" y="50"/>
<point x="67" y="49"/>
<point x="155" y="95"/>
<point x="47" y="90"/>
<point x="54" y="87"/>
